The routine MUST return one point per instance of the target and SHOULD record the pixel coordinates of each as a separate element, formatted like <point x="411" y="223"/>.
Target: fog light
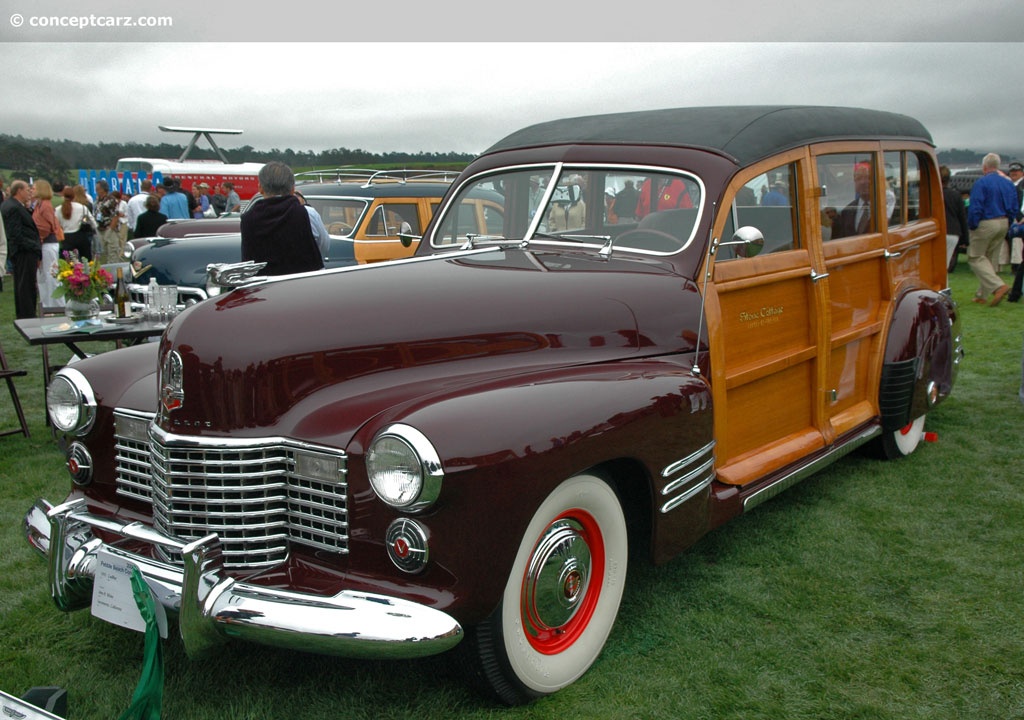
<point x="79" y="464"/>
<point x="407" y="545"/>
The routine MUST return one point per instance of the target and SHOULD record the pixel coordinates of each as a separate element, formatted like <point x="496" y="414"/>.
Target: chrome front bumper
<point x="214" y="608"/>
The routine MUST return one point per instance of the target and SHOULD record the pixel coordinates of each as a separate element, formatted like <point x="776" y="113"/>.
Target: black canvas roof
<point x="744" y="133"/>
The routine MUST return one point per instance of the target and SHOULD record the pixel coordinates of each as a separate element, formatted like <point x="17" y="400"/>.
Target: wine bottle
<point x="122" y="300"/>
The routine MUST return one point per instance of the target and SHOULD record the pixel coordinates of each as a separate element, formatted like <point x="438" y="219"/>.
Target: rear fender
<point x="922" y="355"/>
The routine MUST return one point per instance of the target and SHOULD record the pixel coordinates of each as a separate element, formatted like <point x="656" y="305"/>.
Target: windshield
<point x="341" y="216"/>
<point x="636" y="208"/>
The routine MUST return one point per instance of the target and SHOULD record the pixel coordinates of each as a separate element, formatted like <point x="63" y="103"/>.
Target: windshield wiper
<point x="472" y="240"/>
<point x="574" y="238"/>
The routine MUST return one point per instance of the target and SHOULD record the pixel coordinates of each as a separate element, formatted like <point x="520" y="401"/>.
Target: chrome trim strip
<point x="694" y="478"/>
<point x="701" y="470"/>
<point x="680" y="499"/>
<point x="214" y="607"/>
<point x="787" y="481"/>
<point x="678" y="465"/>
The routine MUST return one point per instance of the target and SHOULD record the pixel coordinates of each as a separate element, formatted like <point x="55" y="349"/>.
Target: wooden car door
<point x="852" y="183"/>
<point x="768" y="326"/>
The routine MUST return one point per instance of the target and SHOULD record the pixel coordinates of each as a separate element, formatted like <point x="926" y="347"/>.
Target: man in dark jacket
<point x="276" y="229"/>
<point x="23" y="247"/>
<point x="956" y="217"/>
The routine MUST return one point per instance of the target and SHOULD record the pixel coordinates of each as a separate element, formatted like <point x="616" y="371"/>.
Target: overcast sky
<point x="533" y="61"/>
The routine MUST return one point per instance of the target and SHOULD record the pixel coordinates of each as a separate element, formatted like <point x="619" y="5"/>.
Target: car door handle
<point x="815" y="277"/>
<point x="890" y="255"/>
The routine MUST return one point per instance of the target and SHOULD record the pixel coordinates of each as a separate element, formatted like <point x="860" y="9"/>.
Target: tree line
<point x="61" y="159"/>
<point x="28" y="158"/>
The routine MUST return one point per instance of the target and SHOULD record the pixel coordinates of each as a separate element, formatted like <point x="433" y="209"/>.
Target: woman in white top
<point x="79" y="226"/>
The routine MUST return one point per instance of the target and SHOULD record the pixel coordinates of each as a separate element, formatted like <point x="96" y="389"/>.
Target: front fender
<point x="506" y="444"/>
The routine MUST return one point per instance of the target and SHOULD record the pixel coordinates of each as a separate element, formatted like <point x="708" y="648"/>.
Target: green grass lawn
<point x="873" y="590"/>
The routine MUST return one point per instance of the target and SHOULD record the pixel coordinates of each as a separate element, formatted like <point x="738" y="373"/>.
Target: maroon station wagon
<point x="683" y="312"/>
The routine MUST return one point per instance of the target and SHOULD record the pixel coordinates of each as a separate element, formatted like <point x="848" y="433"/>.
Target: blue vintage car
<point x="364" y="213"/>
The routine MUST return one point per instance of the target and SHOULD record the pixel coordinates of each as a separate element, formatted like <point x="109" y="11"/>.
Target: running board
<point x="789" y="480"/>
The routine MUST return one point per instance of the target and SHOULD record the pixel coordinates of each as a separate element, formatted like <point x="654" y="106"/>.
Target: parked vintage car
<point x="184" y="261"/>
<point x="365" y="214"/>
<point x="655" y="337"/>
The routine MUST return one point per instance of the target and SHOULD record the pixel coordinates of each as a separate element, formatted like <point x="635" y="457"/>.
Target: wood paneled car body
<point x="676" y="315"/>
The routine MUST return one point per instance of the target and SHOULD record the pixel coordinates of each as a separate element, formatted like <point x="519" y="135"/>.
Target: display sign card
<point x="12" y="707"/>
<point x="113" y="599"/>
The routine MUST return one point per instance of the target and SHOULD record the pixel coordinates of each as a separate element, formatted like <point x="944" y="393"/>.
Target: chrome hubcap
<point x="556" y="578"/>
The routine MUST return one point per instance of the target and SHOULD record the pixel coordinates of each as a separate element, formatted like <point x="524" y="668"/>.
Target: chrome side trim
<point x="214" y="607"/>
<point x="697" y="472"/>
<point x="787" y="481"/>
<point x="678" y="465"/>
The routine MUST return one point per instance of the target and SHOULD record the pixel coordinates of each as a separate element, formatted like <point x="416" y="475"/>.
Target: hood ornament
<point x="172" y="394"/>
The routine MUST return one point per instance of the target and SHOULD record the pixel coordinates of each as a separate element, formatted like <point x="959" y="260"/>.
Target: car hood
<point x="359" y="341"/>
<point x="183" y="261"/>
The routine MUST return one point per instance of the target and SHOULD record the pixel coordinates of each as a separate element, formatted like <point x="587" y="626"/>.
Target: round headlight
<point x="70" y="402"/>
<point x="404" y="469"/>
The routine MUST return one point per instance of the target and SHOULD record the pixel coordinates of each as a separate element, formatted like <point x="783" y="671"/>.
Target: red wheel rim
<point x="548" y="638"/>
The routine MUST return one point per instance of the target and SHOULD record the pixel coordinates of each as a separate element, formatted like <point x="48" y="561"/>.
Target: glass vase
<point x="81" y="309"/>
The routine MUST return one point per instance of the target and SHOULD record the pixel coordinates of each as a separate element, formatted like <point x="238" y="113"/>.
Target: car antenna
<point x="712" y="249"/>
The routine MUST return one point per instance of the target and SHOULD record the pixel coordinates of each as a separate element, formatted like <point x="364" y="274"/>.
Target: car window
<point x="641" y="210"/>
<point x="390" y="219"/>
<point x="340" y="215"/>
<point x="768" y="203"/>
<point x="848" y="181"/>
<point x="903" y="181"/>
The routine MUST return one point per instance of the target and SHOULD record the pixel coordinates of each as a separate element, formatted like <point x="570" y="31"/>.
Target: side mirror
<point x="748" y="241"/>
<point x="407" y="239"/>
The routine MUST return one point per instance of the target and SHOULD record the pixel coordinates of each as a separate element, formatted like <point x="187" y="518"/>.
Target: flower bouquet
<point x="82" y="284"/>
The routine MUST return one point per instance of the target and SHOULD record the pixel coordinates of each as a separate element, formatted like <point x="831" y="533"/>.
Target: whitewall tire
<point x="562" y="596"/>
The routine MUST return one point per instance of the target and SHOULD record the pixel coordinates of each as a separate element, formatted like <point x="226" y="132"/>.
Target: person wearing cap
<point x="202" y="201"/>
<point x="173" y="204"/>
<point x="777" y="196"/>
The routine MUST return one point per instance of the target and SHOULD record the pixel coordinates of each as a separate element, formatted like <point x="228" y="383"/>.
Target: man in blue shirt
<point x="173" y="203"/>
<point x="993" y="205"/>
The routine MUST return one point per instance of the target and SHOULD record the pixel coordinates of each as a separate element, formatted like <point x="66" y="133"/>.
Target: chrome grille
<point x="257" y="497"/>
<point x="134" y="479"/>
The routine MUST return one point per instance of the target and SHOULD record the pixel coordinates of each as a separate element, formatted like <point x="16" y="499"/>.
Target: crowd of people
<point x="43" y="220"/>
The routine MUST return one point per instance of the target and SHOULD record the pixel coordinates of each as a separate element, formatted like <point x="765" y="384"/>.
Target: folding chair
<point x="8" y="374"/>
